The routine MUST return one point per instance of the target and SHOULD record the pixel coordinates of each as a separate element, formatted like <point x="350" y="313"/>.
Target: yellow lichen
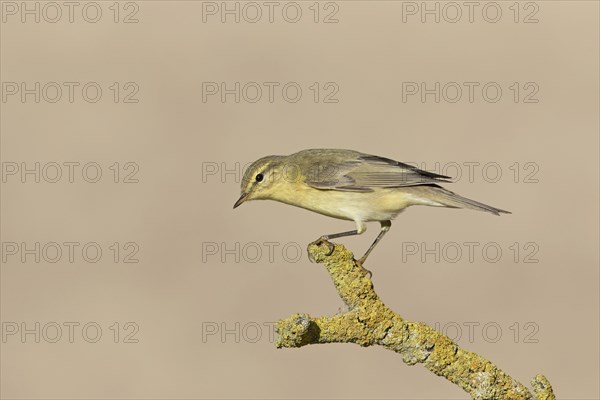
<point x="369" y="322"/>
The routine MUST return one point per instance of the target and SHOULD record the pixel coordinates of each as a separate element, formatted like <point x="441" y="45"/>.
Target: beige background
<point x="173" y="297"/>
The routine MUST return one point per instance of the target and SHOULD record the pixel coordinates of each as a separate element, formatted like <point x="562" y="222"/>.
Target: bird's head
<point x="261" y="180"/>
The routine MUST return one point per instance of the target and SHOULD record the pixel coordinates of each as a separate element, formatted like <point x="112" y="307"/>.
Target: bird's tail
<point x="447" y="198"/>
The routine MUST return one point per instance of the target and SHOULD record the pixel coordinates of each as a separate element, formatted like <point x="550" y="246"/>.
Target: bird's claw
<point x="319" y="242"/>
<point x="360" y="262"/>
<point x="324" y="239"/>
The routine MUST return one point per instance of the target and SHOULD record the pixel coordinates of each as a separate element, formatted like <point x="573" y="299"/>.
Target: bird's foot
<point x="360" y="262"/>
<point x="320" y="241"/>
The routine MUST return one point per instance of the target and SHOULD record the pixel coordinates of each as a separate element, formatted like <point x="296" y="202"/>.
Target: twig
<point x="369" y="322"/>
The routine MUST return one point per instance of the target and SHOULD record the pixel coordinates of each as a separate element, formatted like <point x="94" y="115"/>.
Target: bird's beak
<point x="240" y="200"/>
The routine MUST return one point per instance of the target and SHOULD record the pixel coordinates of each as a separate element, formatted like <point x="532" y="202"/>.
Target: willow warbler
<point x="349" y="185"/>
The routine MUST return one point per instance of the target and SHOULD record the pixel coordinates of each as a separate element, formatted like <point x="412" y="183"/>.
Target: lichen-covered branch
<point x="369" y="322"/>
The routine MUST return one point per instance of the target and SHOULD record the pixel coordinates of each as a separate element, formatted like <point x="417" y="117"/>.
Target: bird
<point x="349" y="185"/>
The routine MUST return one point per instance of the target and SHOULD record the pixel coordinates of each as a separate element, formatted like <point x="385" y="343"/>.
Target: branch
<point x="369" y="322"/>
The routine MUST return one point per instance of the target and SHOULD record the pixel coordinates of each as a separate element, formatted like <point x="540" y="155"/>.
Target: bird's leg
<point x="325" y="238"/>
<point x="341" y="234"/>
<point x="360" y="228"/>
<point x="385" y="226"/>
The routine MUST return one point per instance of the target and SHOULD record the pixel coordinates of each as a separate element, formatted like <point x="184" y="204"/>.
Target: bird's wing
<point x="364" y="173"/>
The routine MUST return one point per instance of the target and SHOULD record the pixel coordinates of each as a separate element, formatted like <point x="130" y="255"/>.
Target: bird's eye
<point x="259" y="177"/>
